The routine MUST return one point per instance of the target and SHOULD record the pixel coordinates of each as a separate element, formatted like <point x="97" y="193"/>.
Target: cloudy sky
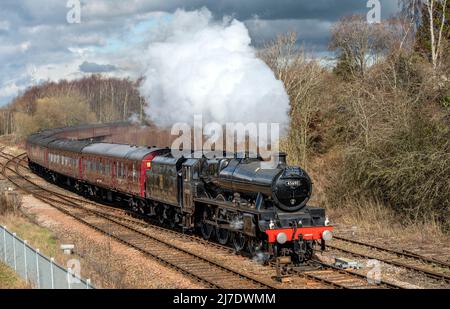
<point x="37" y="43"/>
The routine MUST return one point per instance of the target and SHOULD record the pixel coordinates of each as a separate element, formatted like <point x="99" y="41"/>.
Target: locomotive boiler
<point x="288" y="188"/>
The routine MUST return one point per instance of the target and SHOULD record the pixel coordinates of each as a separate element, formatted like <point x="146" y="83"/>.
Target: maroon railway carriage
<point x="118" y="167"/>
<point x="111" y="171"/>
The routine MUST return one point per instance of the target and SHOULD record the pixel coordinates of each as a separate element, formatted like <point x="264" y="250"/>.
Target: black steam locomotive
<point x="236" y="200"/>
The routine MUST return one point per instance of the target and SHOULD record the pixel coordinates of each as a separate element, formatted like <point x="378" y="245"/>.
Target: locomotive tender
<point x="234" y="200"/>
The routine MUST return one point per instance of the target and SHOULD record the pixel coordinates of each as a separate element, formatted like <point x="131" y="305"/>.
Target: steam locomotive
<point x="234" y="200"/>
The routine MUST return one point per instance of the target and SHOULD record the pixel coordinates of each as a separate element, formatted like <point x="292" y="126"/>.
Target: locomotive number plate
<point x="293" y="183"/>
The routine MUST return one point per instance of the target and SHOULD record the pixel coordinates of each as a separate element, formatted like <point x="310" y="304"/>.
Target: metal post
<point x="69" y="274"/>
<point x="4" y="242"/>
<point x="88" y="283"/>
<point x="51" y="272"/>
<point x="25" y="259"/>
<point x="14" y="251"/>
<point x="37" y="269"/>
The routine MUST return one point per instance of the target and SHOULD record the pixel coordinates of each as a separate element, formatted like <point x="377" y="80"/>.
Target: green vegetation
<point x="9" y="279"/>
<point x="55" y="111"/>
<point x="87" y="100"/>
<point x="11" y="217"/>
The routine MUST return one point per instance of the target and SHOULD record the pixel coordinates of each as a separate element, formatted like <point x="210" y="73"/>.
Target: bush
<point x="10" y="203"/>
<point x="58" y="110"/>
<point x="410" y="172"/>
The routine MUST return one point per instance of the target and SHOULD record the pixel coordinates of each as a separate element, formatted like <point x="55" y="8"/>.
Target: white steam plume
<point x="195" y="65"/>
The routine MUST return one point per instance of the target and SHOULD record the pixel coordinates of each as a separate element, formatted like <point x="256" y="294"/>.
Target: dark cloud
<point x="36" y="42"/>
<point x="91" y="67"/>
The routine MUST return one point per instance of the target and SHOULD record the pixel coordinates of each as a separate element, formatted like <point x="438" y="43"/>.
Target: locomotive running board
<point x="225" y="204"/>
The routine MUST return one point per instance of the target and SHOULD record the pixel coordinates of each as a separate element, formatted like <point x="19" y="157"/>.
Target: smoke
<point x="195" y="65"/>
<point x="237" y="223"/>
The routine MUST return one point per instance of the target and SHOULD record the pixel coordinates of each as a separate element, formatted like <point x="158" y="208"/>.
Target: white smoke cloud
<point x="195" y="65"/>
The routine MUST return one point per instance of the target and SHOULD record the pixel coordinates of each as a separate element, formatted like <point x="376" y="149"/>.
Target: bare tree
<point x="434" y="15"/>
<point x="411" y="16"/>
<point x="435" y="38"/>
<point x="358" y="42"/>
<point x="301" y="78"/>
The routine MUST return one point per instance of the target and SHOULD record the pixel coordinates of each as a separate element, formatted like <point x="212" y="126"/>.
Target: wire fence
<point x="35" y="268"/>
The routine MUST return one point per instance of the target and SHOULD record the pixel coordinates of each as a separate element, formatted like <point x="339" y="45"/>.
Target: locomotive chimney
<point x="281" y="159"/>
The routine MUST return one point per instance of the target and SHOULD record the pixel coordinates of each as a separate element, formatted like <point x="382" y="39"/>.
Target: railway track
<point x="200" y="268"/>
<point x="431" y="268"/>
<point x="341" y="278"/>
<point x="326" y="274"/>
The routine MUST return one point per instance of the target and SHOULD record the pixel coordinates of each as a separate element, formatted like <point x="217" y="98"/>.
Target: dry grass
<point x="369" y="216"/>
<point x="100" y="263"/>
<point x="9" y="280"/>
<point x="38" y="237"/>
<point x="374" y="218"/>
<point x="10" y="203"/>
<point x="12" y="217"/>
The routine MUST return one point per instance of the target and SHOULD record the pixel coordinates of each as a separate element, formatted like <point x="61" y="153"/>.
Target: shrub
<point x="10" y="203"/>
<point x="410" y="172"/>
